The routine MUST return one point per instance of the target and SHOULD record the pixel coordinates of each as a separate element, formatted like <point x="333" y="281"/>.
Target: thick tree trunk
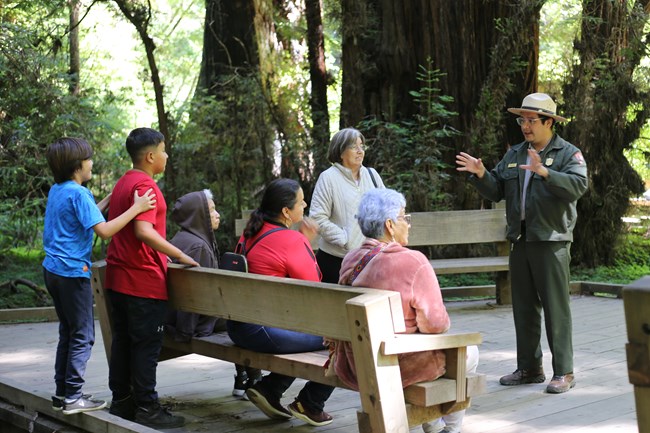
<point x="235" y="107"/>
<point x="229" y="42"/>
<point x="607" y="112"/>
<point x="487" y="51"/>
<point x="318" y="75"/>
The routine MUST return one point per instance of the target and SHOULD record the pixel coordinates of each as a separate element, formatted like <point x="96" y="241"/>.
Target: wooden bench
<point x="636" y="299"/>
<point x="459" y="228"/>
<point x="370" y="319"/>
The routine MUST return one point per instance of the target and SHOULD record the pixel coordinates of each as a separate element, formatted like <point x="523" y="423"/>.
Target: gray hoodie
<point x="196" y="239"/>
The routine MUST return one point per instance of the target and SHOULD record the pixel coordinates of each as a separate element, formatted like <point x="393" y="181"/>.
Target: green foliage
<point x="35" y="109"/>
<point x="223" y="147"/>
<point x="458" y="280"/>
<point x="408" y="153"/>
<point x="559" y="24"/>
<point x="21" y="263"/>
<point x="631" y="253"/>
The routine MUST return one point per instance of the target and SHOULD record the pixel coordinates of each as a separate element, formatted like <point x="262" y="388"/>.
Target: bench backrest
<point x="445" y="227"/>
<point x="304" y="306"/>
<point x="457" y="227"/>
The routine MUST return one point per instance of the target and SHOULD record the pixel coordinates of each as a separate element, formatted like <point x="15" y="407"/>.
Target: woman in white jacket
<point x="336" y="199"/>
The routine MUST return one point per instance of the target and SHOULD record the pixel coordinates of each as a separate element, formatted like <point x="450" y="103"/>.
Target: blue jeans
<point x="73" y="302"/>
<point x="274" y="340"/>
<point x="138" y="329"/>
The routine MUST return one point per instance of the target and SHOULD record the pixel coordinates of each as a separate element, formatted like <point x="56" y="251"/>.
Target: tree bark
<point x="235" y="107"/>
<point x="229" y="42"/>
<point x="607" y="111"/>
<point x="73" y="38"/>
<point x="487" y="52"/>
<point x="318" y="76"/>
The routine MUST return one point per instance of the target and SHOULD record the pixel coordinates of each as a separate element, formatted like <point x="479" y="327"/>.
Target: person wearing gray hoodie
<point x="196" y="215"/>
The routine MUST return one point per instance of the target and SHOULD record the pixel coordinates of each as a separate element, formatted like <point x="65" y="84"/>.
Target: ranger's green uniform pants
<point x="540" y="281"/>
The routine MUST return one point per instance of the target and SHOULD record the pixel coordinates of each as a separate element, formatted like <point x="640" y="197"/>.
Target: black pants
<point x="138" y="328"/>
<point x="330" y="266"/>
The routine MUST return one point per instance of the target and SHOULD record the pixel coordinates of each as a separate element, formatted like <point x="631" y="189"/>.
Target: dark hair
<point x="65" y="156"/>
<point x="341" y="141"/>
<point x="140" y="139"/>
<point x="545" y="118"/>
<point x="279" y="194"/>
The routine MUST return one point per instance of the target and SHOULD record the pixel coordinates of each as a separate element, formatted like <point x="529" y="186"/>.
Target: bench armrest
<point x="405" y="343"/>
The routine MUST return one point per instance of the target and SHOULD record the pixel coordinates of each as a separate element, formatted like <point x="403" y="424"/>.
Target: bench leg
<point x="380" y="382"/>
<point x="504" y="290"/>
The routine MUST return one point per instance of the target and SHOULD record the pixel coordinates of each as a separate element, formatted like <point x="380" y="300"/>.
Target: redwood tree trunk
<point x="229" y="42"/>
<point x="386" y="41"/>
<point x="607" y="110"/>
<point x="318" y="76"/>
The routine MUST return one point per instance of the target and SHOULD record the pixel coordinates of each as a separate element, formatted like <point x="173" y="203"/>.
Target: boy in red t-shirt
<point x="136" y="274"/>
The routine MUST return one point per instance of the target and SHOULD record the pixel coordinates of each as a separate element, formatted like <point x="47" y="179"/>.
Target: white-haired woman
<point x="336" y="197"/>
<point x="384" y="262"/>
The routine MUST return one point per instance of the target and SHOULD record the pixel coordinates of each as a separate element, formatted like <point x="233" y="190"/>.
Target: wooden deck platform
<point x="200" y="388"/>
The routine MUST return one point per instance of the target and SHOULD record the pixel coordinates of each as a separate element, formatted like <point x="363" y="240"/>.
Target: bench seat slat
<point x="307" y="365"/>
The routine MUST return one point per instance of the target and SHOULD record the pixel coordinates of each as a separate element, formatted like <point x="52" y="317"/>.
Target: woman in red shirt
<point x="272" y="249"/>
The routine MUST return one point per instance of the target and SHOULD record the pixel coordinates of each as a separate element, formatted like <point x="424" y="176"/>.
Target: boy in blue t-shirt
<point x="71" y="217"/>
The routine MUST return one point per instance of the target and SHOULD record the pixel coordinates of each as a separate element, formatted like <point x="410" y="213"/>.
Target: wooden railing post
<point x="636" y="299"/>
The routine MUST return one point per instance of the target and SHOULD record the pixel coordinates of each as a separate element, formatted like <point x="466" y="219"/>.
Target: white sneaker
<point x="83" y="404"/>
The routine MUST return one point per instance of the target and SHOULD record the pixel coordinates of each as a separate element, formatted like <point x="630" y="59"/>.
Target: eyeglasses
<point x="406" y="218"/>
<point x="357" y="147"/>
<point x="521" y="121"/>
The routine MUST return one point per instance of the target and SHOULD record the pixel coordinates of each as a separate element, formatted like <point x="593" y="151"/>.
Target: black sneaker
<point x="254" y="376"/>
<point x="157" y="417"/>
<point x="271" y="407"/>
<point x="244" y="380"/>
<point x="57" y="402"/>
<point x="82" y="404"/>
<point x="239" y="389"/>
<point x="313" y="417"/>
<point x="124" y="408"/>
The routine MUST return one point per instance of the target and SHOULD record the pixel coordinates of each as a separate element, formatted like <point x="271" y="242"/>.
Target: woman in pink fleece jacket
<point x="384" y="262"/>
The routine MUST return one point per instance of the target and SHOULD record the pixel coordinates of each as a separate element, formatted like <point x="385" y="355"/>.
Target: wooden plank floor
<point x="200" y="387"/>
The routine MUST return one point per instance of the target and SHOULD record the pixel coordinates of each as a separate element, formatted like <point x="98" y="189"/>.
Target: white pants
<point x="453" y="422"/>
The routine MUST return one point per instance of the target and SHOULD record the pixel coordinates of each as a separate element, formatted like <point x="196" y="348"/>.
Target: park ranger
<point x="541" y="180"/>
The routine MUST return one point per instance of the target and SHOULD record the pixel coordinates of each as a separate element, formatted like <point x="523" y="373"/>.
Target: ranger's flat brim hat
<point x="538" y="103"/>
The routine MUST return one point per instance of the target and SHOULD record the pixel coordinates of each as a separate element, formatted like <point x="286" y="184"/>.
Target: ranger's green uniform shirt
<point x="550" y="203"/>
